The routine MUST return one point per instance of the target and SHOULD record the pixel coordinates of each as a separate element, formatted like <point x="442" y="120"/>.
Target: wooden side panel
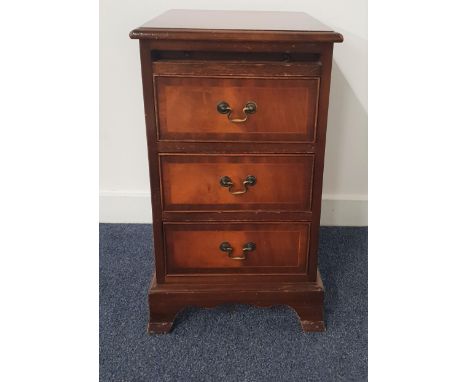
<point x="195" y="248"/>
<point x="286" y="109"/>
<point x="151" y="134"/>
<point x="192" y="182"/>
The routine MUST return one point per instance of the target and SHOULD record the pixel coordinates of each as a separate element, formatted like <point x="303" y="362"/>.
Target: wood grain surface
<point x="195" y="248"/>
<point x="192" y="182"/>
<point x="191" y="61"/>
<point x="286" y="108"/>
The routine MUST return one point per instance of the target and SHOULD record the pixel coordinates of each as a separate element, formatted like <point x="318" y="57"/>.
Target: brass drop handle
<point x="248" y="247"/>
<point x="226" y="181"/>
<point x="249" y="108"/>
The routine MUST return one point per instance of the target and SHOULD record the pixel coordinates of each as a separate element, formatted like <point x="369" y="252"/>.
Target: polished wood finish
<point x="192" y="182"/>
<point x="188" y="25"/>
<point x="306" y="298"/>
<point x="187" y="108"/>
<point x="263" y="66"/>
<point x="195" y="248"/>
<point x="191" y="61"/>
<point x="234" y="21"/>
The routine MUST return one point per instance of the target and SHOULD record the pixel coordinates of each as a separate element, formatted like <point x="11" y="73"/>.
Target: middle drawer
<point x="202" y="182"/>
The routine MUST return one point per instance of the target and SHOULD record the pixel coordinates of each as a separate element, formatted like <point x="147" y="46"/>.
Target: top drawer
<point x="256" y="102"/>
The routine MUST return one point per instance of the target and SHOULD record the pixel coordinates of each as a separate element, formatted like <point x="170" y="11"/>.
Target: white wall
<point x="124" y="182"/>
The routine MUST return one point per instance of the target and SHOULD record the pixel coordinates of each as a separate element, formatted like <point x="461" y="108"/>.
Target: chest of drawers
<point x="236" y="110"/>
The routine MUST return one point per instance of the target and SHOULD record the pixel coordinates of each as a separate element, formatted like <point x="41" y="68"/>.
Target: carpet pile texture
<point x="231" y="342"/>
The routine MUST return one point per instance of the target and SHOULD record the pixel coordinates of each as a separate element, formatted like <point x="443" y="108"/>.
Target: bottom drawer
<point x="236" y="248"/>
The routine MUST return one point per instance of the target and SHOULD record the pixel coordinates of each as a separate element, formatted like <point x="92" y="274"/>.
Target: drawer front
<point x="236" y="248"/>
<point x="285" y="109"/>
<point x="236" y="182"/>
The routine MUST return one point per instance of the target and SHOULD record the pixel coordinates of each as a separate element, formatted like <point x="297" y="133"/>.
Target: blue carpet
<point x="231" y="342"/>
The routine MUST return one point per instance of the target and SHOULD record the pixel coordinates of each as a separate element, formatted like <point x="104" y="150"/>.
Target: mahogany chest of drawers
<point x="236" y="112"/>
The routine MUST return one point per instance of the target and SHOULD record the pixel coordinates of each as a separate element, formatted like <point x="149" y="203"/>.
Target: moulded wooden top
<point x="178" y="24"/>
